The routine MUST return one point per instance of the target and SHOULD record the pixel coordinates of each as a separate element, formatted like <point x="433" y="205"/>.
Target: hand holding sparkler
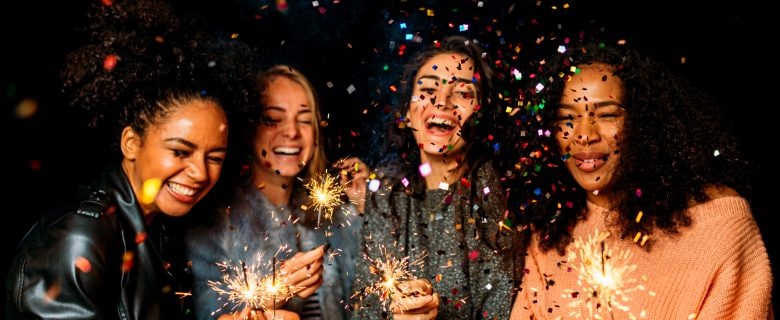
<point x="354" y="173"/>
<point x="250" y="314"/>
<point x="416" y="300"/>
<point x="304" y="271"/>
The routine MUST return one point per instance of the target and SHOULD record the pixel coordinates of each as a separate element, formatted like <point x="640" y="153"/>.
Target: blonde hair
<point x="318" y="161"/>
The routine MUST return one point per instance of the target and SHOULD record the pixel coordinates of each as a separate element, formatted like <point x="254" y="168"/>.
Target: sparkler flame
<point x="324" y="195"/>
<point x="254" y="286"/>
<point x="391" y="272"/>
<point x="604" y="276"/>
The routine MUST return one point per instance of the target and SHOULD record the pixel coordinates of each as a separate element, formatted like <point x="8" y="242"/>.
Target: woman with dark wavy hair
<point x="637" y="211"/>
<point x="439" y="202"/>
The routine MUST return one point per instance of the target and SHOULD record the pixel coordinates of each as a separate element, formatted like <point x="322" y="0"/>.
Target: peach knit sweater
<point x="717" y="268"/>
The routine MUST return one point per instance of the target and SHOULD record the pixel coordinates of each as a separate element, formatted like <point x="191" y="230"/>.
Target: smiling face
<point x="443" y="98"/>
<point x="285" y="143"/>
<point x="589" y="121"/>
<point x="183" y="152"/>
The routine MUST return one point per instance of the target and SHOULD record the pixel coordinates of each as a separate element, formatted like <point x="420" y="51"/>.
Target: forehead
<point x="193" y="106"/>
<point x="192" y="113"/>
<point x="448" y="64"/>
<point x="593" y="82"/>
<point x="284" y="93"/>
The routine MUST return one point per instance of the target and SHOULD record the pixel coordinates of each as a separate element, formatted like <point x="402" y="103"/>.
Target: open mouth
<point x="440" y="124"/>
<point x="590" y="164"/>
<point x="181" y="189"/>
<point x="287" y="151"/>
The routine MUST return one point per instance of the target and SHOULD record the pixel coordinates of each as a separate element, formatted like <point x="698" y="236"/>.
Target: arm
<point x="381" y="229"/>
<point x="499" y="249"/>
<point x="354" y="173"/>
<point x="62" y="270"/>
<point x="741" y="289"/>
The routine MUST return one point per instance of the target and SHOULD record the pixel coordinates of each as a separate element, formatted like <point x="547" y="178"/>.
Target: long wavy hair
<point x="675" y="144"/>
<point x="400" y="140"/>
<point x="319" y="161"/>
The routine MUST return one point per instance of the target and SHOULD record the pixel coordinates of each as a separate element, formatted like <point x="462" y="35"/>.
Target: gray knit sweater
<point x="454" y="233"/>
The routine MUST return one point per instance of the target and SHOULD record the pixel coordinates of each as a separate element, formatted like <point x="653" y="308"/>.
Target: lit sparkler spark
<point x="391" y="272"/>
<point x="604" y="276"/>
<point x="324" y="195"/>
<point x="247" y="286"/>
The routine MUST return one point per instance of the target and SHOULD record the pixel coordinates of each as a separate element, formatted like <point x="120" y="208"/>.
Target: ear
<point x="130" y="143"/>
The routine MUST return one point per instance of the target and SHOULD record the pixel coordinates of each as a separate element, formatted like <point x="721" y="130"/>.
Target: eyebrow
<point x="437" y="78"/>
<point x="278" y="108"/>
<point x="605" y="103"/>
<point x="192" y="145"/>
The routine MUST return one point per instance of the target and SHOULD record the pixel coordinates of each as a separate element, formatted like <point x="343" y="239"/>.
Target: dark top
<point x="95" y="259"/>
<point x="252" y="230"/>
<point x="454" y="233"/>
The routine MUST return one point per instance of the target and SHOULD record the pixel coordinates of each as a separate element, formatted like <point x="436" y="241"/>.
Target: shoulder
<point x="717" y="192"/>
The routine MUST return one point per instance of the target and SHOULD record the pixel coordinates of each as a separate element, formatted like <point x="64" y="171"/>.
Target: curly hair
<point x="476" y="128"/>
<point x="144" y="58"/>
<point x="674" y="145"/>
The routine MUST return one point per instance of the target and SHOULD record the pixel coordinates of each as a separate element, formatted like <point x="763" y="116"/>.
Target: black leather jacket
<point x="96" y="259"/>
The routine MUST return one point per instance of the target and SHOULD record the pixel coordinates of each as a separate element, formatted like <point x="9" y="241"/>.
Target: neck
<point x="443" y="169"/>
<point x="601" y="199"/>
<point x="276" y="189"/>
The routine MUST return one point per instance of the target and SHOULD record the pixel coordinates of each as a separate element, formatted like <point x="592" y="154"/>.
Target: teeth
<point x="180" y="189"/>
<point x="441" y="122"/>
<point x="287" y="150"/>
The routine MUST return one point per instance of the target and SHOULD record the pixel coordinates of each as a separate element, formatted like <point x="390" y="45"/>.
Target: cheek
<point x="611" y="133"/>
<point x="562" y="139"/>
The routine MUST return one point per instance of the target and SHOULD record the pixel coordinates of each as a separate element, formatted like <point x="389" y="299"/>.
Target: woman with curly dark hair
<point x="440" y="203"/>
<point x="106" y="253"/>
<point x="637" y="210"/>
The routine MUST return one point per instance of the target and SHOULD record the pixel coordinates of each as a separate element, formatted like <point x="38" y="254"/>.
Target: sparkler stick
<point x="245" y="286"/>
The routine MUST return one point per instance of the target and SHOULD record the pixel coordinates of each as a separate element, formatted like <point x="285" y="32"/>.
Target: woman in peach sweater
<point x="639" y="214"/>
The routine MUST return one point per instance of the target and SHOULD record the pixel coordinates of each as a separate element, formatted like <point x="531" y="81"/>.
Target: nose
<point x="586" y="132"/>
<point x="290" y="129"/>
<point x="444" y="97"/>
<point x="197" y="170"/>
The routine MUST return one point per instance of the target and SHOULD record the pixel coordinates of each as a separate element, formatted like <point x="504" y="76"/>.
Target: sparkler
<point x="324" y="195"/>
<point x="391" y="272"/>
<point x="247" y="286"/>
<point x="604" y="276"/>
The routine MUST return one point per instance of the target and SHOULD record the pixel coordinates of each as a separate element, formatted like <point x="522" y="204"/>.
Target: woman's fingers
<point x="416" y="287"/>
<point x="415" y="307"/>
<point x="302" y="260"/>
<point x="309" y="290"/>
<point x="353" y="175"/>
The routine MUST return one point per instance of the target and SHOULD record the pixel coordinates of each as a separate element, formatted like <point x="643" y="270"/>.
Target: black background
<point x="726" y="49"/>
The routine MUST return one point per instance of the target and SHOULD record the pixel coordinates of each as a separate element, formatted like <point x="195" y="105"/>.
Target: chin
<point x="176" y="210"/>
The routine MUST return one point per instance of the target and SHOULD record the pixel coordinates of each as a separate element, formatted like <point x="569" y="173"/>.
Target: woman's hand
<point x="248" y="314"/>
<point x="415" y="301"/>
<point x="354" y="173"/>
<point x="303" y="272"/>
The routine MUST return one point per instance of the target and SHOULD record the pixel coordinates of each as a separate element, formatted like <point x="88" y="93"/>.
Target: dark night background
<point x="344" y="44"/>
